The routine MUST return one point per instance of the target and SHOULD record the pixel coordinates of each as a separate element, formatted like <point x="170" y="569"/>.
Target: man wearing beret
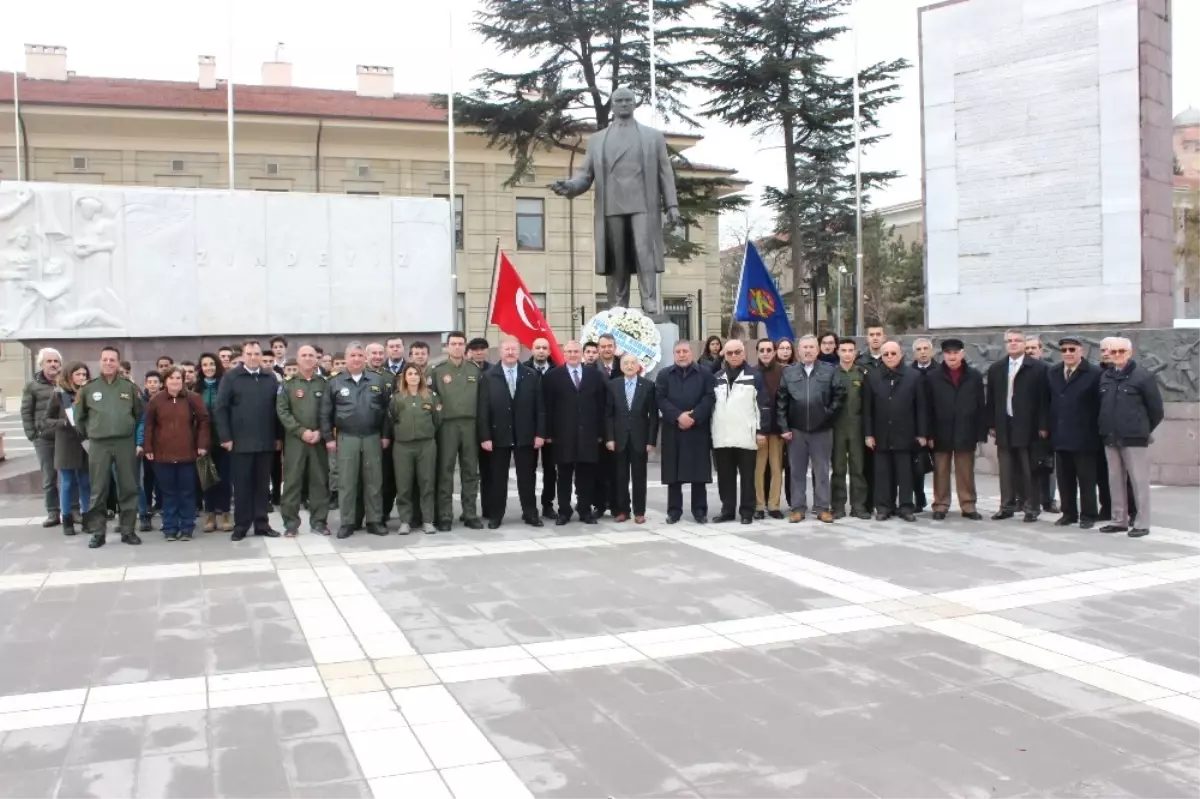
<point x="957" y="422"/>
<point x="1075" y="432"/>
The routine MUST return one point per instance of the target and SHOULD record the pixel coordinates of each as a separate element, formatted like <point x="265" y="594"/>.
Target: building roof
<point x="1187" y="117"/>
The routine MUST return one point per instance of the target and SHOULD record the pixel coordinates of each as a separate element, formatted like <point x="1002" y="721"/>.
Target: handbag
<point x="206" y="469"/>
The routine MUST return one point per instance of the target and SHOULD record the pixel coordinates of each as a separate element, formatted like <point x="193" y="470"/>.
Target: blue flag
<point x="757" y="298"/>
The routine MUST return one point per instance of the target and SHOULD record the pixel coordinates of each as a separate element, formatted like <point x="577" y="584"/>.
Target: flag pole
<point x="229" y="101"/>
<point x="17" y="128"/>
<point x="487" y="319"/>
<point x="858" y="220"/>
<point x="452" y="178"/>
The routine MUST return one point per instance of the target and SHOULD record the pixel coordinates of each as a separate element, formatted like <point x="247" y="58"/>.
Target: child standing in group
<point x="414" y="416"/>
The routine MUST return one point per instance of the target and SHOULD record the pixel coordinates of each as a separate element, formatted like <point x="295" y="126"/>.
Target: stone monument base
<point x="669" y="335"/>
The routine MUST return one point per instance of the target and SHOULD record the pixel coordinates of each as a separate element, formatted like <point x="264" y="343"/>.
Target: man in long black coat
<point x="1018" y="414"/>
<point x="895" y="425"/>
<point x="630" y="432"/>
<point x="686" y="396"/>
<point x="574" y="397"/>
<point x="1075" y="432"/>
<point x="510" y="422"/>
<point x="957" y="425"/>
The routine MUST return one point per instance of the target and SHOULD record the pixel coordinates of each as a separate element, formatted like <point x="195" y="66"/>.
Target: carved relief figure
<point x="93" y="246"/>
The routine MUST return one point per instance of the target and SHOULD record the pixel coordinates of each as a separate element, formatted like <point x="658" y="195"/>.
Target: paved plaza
<point x="856" y="659"/>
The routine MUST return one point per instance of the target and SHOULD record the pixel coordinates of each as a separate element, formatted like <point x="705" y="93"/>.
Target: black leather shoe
<point x="1114" y="528"/>
<point x="533" y="521"/>
<point x="862" y="514"/>
<point x="775" y="514"/>
<point x="1086" y="524"/>
<point x="938" y="515"/>
<point x="1002" y="514"/>
<point x="267" y="533"/>
<point x="145" y="525"/>
<point x="1138" y="532"/>
<point x="548" y="512"/>
<point x="1051" y="508"/>
<point x="345" y="531"/>
<point x="238" y="535"/>
<point x="443" y="527"/>
<point x="1065" y="521"/>
<point x="721" y="518"/>
<point x="839" y="514"/>
<point x="589" y="519"/>
<point x="561" y="520"/>
<point x="493" y="524"/>
<point x="376" y="529"/>
<point x="1029" y="518"/>
<point x="746" y="520"/>
<point x="973" y="516"/>
<point x="759" y="514"/>
<point x="672" y="519"/>
<point x="473" y="524"/>
<point x="96" y="541"/>
<point x="882" y="516"/>
<point x="700" y="519"/>
<point x="908" y="516"/>
<point x="130" y="538"/>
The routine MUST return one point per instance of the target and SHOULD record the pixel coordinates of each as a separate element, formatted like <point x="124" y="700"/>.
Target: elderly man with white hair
<point x="35" y="398"/>
<point x="1131" y="407"/>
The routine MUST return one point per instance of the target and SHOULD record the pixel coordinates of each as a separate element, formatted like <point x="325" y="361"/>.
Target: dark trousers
<point x="893" y="480"/>
<point x="251" y="472"/>
<point x="177" y="482"/>
<point x="495" y="495"/>
<point x="675" y="499"/>
<point x="735" y="480"/>
<point x="276" y="476"/>
<point x="584" y="477"/>
<point x="549" y="476"/>
<point x="918" y="481"/>
<point x="1047" y="483"/>
<point x="388" y="491"/>
<point x="1077" y="484"/>
<point x="487" y="482"/>
<point x="631" y="466"/>
<point x="1017" y="481"/>
<point x="150" y="494"/>
<point x="217" y="497"/>
<point x="605" y="497"/>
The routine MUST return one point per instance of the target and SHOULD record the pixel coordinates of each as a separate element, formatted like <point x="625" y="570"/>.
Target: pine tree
<point x="583" y="50"/>
<point x="893" y="276"/>
<point x="766" y="69"/>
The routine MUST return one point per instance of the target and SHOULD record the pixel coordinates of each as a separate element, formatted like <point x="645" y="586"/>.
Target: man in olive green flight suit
<point x="107" y="412"/>
<point x="456" y="380"/>
<point x="848" y="442"/>
<point x="355" y="403"/>
<point x="298" y="406"/>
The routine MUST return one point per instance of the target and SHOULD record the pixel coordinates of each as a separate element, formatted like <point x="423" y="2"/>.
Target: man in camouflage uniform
<point x="299" y="408"/>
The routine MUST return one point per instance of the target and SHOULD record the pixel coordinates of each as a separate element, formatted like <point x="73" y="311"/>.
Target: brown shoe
<point x="797" y="516"/>
<point x="622" y="517"/>
<point x="639" y="519"/>
<point x="226" y="522"/>
<point x="210" y="523"/>
<point x="825" y="516"/>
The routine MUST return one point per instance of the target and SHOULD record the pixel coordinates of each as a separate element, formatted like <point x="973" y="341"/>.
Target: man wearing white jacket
<point x="738" y="421"/>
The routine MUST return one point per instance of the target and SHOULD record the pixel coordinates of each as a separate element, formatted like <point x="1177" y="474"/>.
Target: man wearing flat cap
<point x="1075" y="432"/>
<point x="958" y="425"/>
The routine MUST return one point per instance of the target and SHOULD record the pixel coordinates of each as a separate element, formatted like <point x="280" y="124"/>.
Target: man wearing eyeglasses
<point x="1131" y="407"/>
<point x="1075" y="432"/>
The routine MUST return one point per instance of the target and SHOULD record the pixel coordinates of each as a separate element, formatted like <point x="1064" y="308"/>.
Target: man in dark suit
<point x="631" y="433"/>
<point x="895" y="426"/>
<point x="574" y="396"/>
<point x="540" y="362"/>
<point x="511" y="424"/>
<point x="686" y="395"/>
<point x="1018" y="414"/>
<point x="609" y="367"/>
<point x="1075" y="432"/>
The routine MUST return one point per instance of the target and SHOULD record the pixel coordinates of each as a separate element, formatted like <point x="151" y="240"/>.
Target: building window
<point x="364" y="193"/>
<point x="539" y="299"/>
<point x="79" y="162"/>
<point x="177" y="165"/>
<point x="679" y="312"/>
<point x="460" y="312"/>
<point x="458" y="218"/>
<point x="531" y="223"/>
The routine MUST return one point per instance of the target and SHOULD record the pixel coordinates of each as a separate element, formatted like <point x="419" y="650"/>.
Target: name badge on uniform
<point x="470" y="378"/>
<point x="425" y="406"/>
<point x="856" y="383"/>
<point x="299" y="393"/>
<point x="345" y="392"/>
<point x="124" y="395"/>
<point x="446" y="379"/>
<point x="375" y="389"/>
<point x="97" y="396"/>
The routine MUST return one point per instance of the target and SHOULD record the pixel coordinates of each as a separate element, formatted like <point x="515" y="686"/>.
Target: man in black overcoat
<point x="1075" y="432"/>
<point x="957" y="424"/>
<point x="1018" y="414"/>
<point x="630" y="433"/>
<point x="895" y="425"/>
<point x="686" y="396"/>
<point x="574" y="395"/>
<point x="510" y="422"/>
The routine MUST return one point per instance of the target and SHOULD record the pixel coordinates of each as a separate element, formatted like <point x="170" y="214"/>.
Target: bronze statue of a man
<point x="634" y="182"/>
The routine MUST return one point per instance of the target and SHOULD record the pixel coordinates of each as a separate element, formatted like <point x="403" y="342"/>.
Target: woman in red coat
<point x="177" y="433"/>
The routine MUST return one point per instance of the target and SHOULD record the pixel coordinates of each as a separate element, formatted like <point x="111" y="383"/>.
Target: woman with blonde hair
<point x="414" y="416"/>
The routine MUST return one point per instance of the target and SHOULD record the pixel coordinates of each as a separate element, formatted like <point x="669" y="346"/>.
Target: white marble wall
<point x="115" y="262"/>
<point x="1031" y="139"/>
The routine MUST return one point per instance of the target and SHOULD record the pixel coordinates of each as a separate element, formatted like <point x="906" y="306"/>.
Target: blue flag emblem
<point x="757" y="298"/>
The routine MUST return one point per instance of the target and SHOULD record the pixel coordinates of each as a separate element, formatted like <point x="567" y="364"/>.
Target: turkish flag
<point x="515" y="312"/>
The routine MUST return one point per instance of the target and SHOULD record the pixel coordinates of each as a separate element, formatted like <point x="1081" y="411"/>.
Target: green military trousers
<point x="106" y="456"/>
<point x="456" y="441"/>
<point x="415" y="463"/>
<point x="360" y="465"/>
<point x="304" y="463"/>
<point x="848" y="462"/>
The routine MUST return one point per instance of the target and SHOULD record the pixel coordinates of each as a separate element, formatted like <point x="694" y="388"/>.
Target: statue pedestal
<point x="669" y="333"/>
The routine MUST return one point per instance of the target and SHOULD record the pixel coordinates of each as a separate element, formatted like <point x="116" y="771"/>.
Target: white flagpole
<point x="17" y="128"/>
<point x="450" y="147"/>
<point x="229" y="100"/>
<point x="858" y="220"/>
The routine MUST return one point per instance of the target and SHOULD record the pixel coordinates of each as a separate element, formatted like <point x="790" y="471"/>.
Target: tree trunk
<point x="789" y="154"/>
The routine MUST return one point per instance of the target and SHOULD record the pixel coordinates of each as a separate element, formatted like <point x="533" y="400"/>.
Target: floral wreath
<point x="633" y="331"/>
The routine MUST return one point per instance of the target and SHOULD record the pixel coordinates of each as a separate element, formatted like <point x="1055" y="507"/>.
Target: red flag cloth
<point x="515" y="312"/>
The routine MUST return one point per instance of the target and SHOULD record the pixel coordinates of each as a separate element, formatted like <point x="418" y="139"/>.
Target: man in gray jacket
<point x="355" y="406"/>
<point x="810" y="396"/>
<point x="35" y="398"/>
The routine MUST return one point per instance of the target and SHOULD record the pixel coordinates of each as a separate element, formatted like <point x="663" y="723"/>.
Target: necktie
<point x="629" y="388"/>
<point x="1069" y="372"/>
<point x="575" y="377"/>
<point x="512" y="382"/>
<point x="1013" y="366"/>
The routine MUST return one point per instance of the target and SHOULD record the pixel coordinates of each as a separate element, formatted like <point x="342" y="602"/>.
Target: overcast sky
<point x="139" y="38"/>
